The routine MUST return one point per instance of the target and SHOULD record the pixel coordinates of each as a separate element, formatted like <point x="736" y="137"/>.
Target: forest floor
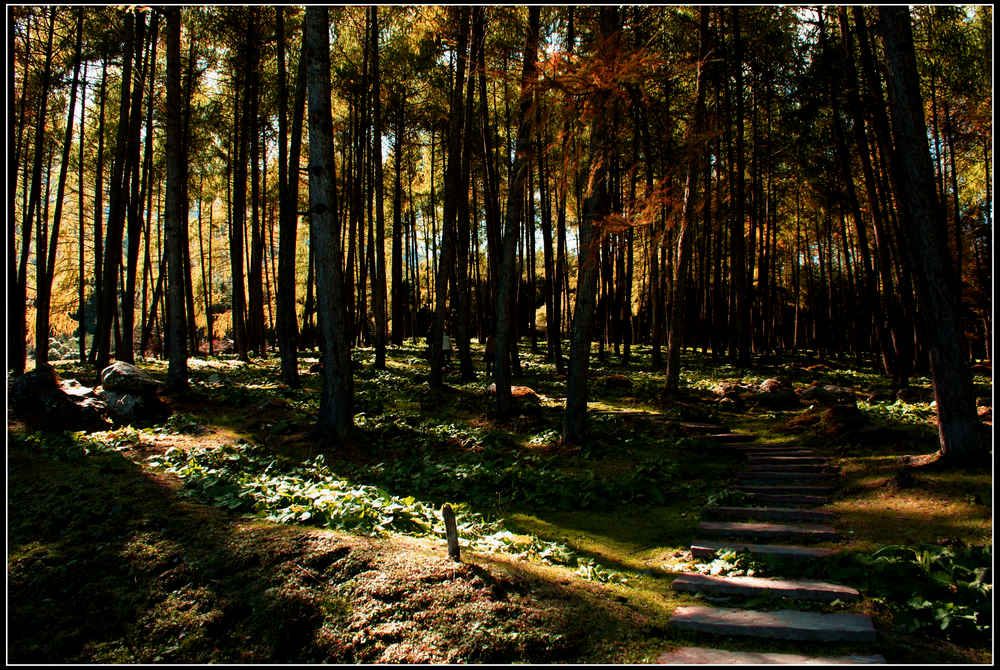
<point x="229" y="534"/>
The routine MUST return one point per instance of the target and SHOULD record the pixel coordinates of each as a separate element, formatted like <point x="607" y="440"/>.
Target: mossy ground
<point x="108" y="563"/>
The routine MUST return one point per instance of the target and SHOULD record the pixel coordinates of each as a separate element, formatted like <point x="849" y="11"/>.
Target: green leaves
<point x="730" y="562"/>
<point x="929" y="587"/>
<point x="244" y="477"/>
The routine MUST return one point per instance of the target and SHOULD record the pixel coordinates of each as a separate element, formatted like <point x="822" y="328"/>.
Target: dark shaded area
<point x="107" y="564"/>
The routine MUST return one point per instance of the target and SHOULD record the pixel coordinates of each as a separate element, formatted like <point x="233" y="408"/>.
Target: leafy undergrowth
<point x="228" y="534"/>
<point x="108" y="564"/>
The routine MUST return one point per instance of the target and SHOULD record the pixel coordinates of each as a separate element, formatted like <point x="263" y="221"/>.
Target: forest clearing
<point x="684" y="314"/>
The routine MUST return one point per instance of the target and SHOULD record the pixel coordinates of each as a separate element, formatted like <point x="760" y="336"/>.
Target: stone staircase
<point x="784" y="486"/>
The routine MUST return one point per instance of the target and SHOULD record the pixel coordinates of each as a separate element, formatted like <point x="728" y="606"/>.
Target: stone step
<point x="758" y="586"/>
<point x="778" y="624"/>
<point x="783" y="475"/>
<point x="790" y="484"/>
<point x="768" y="531"/>
<point x="771" y="488"/>
<point x="768" y="459"/>
<point x="706" y="656"/>
<point x="746" y="445"/>
<point x="695" y="428"/>
<point x="779" y="453"/>
<point x="730" y="437"/>
<point x="780" y="466"/>
<point x="792" y="514"/>
<point x="788" y="499"/>
<point x="706" y="549"/>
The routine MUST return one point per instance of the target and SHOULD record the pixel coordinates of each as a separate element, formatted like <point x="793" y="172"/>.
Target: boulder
<point x="775" y="394"/>
<point x="131" y="407"/>
<point x="842" y="419"/>
<point x="727" y="390"/>
<point x="616" y="381"/>
<point x="126" y="378"/>
<point x="830" y="421"/>
<point x="772" y="386"/>
<point x="826" y="394"/>
<point x="880" y="396"/>
<point x="75" y="388"/>
<point x="913" y="394"/>
<point x="39" y="399"/>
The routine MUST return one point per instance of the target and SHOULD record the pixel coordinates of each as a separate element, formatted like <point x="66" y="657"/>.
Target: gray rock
<point x="75" y="388"/>
<point x="759" y="586"/>
<point x="768" y="531"/>
<point x="775" y="394"/>
<point x="126" y="378"/>
<point x="130" y="407"/>
<point x="778" y="624"/>
<point x="706" y="549"/>
<point x="827" y="394"/>
<point x="705" y="656"/>
<point x="779" y="514"/>
<point x="37" y="398"/>
<point x="772" y="386"/>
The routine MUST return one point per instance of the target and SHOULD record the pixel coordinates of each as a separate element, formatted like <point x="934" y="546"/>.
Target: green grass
<point x="133" y="556"/>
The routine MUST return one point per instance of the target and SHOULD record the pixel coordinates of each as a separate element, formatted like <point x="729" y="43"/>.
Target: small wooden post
<point x="451" y="531"/>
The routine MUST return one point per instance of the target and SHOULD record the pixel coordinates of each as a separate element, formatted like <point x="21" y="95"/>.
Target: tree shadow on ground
<point x="108" y="563"/>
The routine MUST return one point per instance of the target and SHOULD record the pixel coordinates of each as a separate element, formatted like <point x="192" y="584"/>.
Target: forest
<point x="284" y="283"/>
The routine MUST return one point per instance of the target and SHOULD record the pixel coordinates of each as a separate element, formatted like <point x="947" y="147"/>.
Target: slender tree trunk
<point x="741" y="288"/>
<point x="176" y="214"/>
<point x="81" y="293"/>
<point x="336" y="398"/>
<point x="684" y="230"/>
<point x="17" y="294"/>
<point x="452" y="180"/>
<point x="116" y="215"/>
<point x="379" y="294"/>
<point x="398" y="296"/>
<point x="515" y="203"/>
<point x="596" y="206"/>
<point x="956" y="408"/>
<point x="134" y="209"/>
<point x="288" y="225"/>
<point x="464" y="223"/>
<point x="45" y="264"/>
<point x="551" y="322"/>
<point x="99" y="207"/>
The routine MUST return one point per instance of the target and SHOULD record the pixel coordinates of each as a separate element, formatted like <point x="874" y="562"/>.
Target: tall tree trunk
<point x="134" y="210"/>
<point x="288" y="221"/>
<point x="107" y="310"/>
<point x="464" y="228"/>
<point x="45" y="265"/>
<point x="18" y="293"/>
<point x="684" y="230"/>
<point x="741" y="289"/>
<point x="956" y="407"/>
<point x="515" y="203"/>
<point x="81" y="292"/>
<point x="176" y="214"/>
<point x="596" y="207"/>
<point x="379" y="294"/>
<point x="452" y="182"/>
<point x="255" y="282"/>
<point x="551" y="322"/>
<point x="398" y="296"/>
<point x="99" y="207"/>
<point x="336" y="398"/>
<point x="206" y="287"/>
<point x="237" y="221"/>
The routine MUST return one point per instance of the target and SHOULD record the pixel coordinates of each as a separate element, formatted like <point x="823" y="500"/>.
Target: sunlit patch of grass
<point x="927" y="506"/>
<point x="449" y="445"/>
